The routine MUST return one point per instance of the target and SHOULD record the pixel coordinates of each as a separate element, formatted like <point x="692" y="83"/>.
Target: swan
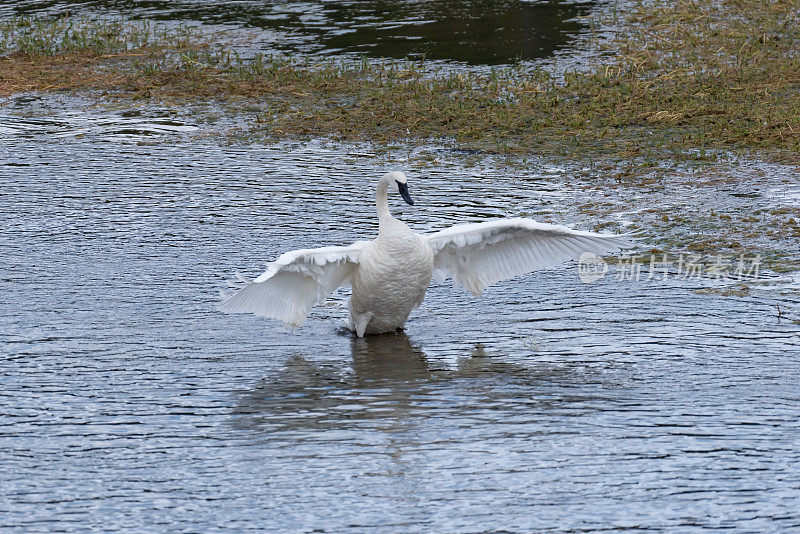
<point x="390" y="274"/>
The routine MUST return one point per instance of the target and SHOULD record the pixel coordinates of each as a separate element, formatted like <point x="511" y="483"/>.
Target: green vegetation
<point x="680" y="79"/>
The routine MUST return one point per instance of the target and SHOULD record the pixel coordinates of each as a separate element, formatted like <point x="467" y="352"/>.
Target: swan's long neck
<point x="382" y="201"/>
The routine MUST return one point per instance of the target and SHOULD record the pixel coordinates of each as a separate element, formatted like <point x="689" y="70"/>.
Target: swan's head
<point x="400" y="184"/>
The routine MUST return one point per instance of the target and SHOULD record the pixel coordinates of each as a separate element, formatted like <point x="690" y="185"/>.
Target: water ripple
<point x="131" y="404"/>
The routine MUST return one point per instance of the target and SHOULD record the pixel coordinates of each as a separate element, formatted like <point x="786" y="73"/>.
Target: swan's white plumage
<point x="294" y="282"/>
<point x="477" y="255"/>
<point x="390" y="274"/>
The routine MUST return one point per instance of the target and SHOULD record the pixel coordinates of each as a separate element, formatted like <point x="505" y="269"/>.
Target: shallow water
<point x="477" y="32"/>
<point x="130" y="403"/>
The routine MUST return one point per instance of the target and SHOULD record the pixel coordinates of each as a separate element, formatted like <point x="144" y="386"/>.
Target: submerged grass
<point x="681" y="79"/>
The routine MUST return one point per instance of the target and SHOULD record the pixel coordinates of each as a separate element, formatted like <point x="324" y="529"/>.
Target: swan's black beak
<point x="404" y="193"/>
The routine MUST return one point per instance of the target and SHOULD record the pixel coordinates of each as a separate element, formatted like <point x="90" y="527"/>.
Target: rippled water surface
<point x="130" y="403"/>
<point x="469" y="31"/>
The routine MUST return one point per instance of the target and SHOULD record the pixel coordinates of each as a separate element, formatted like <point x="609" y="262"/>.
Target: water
<point x="130" y="403"/>
<point x="476" y="32"/>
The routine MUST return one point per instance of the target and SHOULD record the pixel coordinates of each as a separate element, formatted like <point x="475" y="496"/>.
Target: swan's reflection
<point x="390" y="379"/>
<point x="388" y="372"/>
<point x="389" y="358"/>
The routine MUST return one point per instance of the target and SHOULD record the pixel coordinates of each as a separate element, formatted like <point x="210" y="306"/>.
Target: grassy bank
<point x="678" y="79"/>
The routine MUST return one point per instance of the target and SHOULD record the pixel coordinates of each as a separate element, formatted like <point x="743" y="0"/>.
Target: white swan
<point x="390" y="274"/>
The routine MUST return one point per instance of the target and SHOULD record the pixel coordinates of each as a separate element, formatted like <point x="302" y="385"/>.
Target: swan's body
<point x="390" y="274"/>
<point x="393" y="273"/>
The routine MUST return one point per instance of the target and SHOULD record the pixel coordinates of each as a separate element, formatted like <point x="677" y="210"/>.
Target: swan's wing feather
<point x="477" y="255"/>
<point x="294" y="282"/>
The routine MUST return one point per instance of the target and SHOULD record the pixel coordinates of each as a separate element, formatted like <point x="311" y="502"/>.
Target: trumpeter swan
<point x="390" y="274"/>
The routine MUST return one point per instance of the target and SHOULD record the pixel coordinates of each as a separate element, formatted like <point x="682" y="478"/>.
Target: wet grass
<point x="700" y="211"/>
<point x="683" y="80"/>
<point x="75" y="53"/>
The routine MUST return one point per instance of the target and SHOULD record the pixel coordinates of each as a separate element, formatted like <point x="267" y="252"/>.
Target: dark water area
<point x="472" y="32"/>
<point x="131" y="404"/>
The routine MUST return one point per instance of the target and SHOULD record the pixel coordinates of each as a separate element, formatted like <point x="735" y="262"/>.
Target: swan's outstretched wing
<point x="477" y="255"/>
<point x="294" y="282"/>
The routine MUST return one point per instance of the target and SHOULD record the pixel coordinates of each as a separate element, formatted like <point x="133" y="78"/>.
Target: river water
<point x="131" y="404"/>
<point x="476" y="32"/>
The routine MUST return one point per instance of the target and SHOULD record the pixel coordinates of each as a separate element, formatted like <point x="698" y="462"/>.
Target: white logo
<point x="591" y="267"/>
